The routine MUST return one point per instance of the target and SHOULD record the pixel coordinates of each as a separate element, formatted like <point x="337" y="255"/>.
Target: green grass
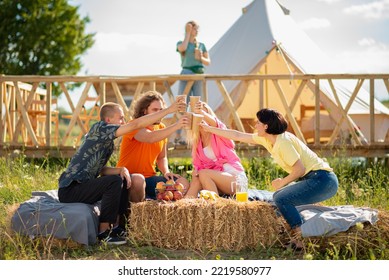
<point x="361" y="184"/>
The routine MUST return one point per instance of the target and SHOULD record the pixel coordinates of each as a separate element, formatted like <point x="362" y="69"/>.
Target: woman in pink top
<point x="216" y="164"/>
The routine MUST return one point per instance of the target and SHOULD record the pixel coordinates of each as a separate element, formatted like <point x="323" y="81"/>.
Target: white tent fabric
<point x="266" y="40"/>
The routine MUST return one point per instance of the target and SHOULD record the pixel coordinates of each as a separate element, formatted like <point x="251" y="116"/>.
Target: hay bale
<point x="200" y="224"/>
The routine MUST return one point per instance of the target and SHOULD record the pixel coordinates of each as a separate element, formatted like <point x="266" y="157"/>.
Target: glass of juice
<point x="241" y="193"/>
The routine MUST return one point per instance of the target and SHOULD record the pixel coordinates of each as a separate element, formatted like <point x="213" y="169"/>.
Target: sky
<point x="139" y="37"/>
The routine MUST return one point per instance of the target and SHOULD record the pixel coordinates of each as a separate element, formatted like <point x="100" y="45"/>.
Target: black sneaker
<point x="110" y="238"/>
<point x="119" y="232"/>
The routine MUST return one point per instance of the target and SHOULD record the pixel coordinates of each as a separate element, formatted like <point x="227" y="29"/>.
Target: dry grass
<point x="199" y="224"/>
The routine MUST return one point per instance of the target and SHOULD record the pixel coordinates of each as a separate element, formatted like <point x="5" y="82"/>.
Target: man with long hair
<point x="144" y="150"/>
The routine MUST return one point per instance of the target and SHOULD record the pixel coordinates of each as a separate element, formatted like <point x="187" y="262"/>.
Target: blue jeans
<point x="197" y="86"/>
<point x="151" y="183"/>
<point x="314" y="187"/>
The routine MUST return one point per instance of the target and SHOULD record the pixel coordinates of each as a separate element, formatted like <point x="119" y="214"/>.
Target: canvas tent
<point x="266" y="40"/>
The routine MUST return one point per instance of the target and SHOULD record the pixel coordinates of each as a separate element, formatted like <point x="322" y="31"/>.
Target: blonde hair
<point x="193" y="136"/>
<point x="194" y="24"/>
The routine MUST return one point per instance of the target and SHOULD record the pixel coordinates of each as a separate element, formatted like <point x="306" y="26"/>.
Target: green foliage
<point x="261" y="171"/>
<point x="42" y="37"/>
<point x="361" y="183"/>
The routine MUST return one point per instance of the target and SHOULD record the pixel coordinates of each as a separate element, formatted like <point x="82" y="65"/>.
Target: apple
<point x="170" y="182"/>
<point x="160" y="196"/>
<point x="169" y="195"/>
<point x="179" y="187"/>
<point x="160" y="186"/>
<point x="177" y="195"/>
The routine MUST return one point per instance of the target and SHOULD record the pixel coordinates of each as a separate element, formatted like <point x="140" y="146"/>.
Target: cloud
<point x="372" y="57"/>
<point x="366" y="42"/>
<point x="329" y="1"/>
<point x="132" y="54"/>
<point x="314" y="23"/>
<point x="116" y="42"/>
<point x="374" y="10"/>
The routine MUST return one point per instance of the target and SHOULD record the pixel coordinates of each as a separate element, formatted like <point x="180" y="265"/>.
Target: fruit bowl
<point x="169" y="191"/>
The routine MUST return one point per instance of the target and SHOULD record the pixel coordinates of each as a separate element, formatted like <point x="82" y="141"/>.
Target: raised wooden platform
<point x="180" y="151"/>
<point x="249" y="151"/>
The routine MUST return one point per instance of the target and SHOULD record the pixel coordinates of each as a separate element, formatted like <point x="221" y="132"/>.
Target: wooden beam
<point x="230" y="106"/>
<point x="317" y="111"/>
<point x="289" y="113"/>
<point x="3" y="98"/>
<point x="120" y="99"/>
<point x="344" y="113"/>
<point x="137" y="93"/>
<point x="11" y="117"/>
<point x="188" y="86"/>
<point x="48" y="113"/>
<point x="24" y="114"/>
<point x="372" y="116"/>
<point x="296" y="96"/>
<point x="26" y="105"/>
<point x="76" y="113"/>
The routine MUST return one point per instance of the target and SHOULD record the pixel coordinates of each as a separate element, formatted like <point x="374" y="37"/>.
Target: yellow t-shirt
<point x="288" y="149"/>
<point x="139" y="157"/>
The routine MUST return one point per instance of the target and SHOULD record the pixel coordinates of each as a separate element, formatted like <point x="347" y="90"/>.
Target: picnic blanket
<point x="324" y="220"/>
<point x="44" y="215"/>
<point x="327" y="221"/>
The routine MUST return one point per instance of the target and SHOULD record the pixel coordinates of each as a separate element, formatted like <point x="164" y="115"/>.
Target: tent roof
<point x="263" y="25"/>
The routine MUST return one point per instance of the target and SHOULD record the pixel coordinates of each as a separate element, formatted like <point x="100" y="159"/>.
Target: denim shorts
<point x="151" y="183"/>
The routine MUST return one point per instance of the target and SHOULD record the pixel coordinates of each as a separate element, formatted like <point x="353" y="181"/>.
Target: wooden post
<point x="205" y="91"/>
<point x="317" y="111"/>
<point x="289" y="113"/>
<point x="3" y="102"/>
<point x="48" y="113"/>
<point x="102" y="93"/>
<point x="120" y="99"/>
<point x="230" y="105"/>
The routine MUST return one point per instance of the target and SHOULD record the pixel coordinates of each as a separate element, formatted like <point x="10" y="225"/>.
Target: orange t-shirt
<point x="139" y="157"/>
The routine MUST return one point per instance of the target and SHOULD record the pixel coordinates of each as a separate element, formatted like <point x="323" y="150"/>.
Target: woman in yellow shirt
<point x="314" y="180"/>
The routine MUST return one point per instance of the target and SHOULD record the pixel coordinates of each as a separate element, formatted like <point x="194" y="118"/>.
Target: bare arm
<point x="148" y="119"/>
<point x="122" y="171"/>
<point x="298" y="170"/>
<point x="188" y="30"/>
<point x="162" y="161"/>
<point x="163" y="165"/>
<point x="203" y="109"/>
<point x="147" y="136"/>
<point x="205" y="59"/>
<point x="230" y="134"/>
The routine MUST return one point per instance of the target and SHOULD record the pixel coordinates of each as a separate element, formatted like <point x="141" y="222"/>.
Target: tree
<point x="42" y="37"/>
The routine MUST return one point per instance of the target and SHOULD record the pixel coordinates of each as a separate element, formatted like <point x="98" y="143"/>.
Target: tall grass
<point x="361" y="183"/>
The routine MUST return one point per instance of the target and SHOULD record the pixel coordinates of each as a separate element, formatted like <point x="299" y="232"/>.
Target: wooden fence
<point x="30" y="116"/>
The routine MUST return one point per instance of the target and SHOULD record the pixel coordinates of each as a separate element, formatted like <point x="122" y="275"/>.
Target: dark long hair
<point x="276" y="123"/>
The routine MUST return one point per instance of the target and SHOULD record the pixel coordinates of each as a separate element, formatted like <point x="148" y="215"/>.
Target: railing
<point x="29" y="121"/>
